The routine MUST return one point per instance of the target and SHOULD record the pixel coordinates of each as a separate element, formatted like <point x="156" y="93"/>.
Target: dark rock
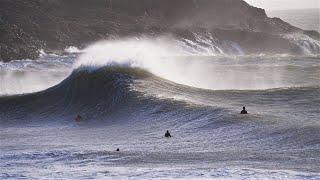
<point x="27" y="26"/>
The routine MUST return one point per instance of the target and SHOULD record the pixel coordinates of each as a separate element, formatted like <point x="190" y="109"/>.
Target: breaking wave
<point x="113" y="77"/>
<point x="308" y="46"/>
<point x="181" y="60"/>
<point x="114" y="94"/>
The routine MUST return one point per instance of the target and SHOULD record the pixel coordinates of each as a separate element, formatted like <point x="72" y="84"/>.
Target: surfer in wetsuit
<point x="244" y="111"/>
<point x="167" y="134"/>
<point x="78" y="118"/>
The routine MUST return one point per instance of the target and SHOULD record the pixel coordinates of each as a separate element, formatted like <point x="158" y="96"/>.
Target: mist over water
<point x="27" y="76"/>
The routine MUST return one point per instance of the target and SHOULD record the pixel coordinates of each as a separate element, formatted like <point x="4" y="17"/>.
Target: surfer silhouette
<point x="168" y="135"/>
<point x="244" y="111"/>
<point x="78" y="118"/>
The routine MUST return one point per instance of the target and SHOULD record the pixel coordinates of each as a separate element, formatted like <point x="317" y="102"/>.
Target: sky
<point x="284" y="4"/>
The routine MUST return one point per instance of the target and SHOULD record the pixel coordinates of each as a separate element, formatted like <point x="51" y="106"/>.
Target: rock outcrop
<point x="52" y="25"/>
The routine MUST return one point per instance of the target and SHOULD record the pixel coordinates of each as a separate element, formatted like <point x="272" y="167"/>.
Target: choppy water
<point x="129" y="100"/>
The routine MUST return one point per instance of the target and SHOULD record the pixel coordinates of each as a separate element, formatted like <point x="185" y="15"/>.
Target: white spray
<point x="169" y="60"/>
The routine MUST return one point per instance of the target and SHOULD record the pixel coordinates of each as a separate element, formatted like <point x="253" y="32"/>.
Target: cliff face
<point x="223" y="14"/>
<point x="26" y="26"/>
<point x="205" y="13"/>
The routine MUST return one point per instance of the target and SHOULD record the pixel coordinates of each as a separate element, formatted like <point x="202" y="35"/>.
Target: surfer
<point x="78" y="118"/>
<point x="244" y="111"/>
<point x="118" y="149"/>
<point x="167" y="134"/>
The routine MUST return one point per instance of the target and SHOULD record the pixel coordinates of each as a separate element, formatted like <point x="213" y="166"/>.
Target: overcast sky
<point x="285" y="4"/>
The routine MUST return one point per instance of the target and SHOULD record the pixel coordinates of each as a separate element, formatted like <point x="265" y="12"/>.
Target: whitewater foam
<point x="72" y="49"/>
<point x="308" y="45"/>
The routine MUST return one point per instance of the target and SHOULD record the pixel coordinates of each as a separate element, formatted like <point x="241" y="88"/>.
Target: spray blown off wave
<point x="187" y="65"/>
<point x="202" y="62"/>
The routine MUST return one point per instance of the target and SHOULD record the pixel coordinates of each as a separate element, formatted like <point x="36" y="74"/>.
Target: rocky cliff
<point x="52" y="25"/>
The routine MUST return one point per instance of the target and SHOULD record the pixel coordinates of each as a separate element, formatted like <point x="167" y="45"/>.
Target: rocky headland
<point x="52" y="25"/>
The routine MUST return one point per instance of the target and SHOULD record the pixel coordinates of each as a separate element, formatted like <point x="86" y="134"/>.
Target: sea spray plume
<point x="143" y="53"/>
<point x="161" y="56"/>
<point x="164" y="57"/>
<point x="168" y="59"/>
<point x="141" y="49"/>
<point x="188" y="62"/>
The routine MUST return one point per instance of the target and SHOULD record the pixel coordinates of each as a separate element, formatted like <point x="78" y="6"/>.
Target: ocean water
<point x="308" y="19"/>
<point x="128" y="100"/>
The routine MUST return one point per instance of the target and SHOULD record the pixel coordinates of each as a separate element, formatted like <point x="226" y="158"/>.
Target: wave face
<point x="130" y="92"/>
<point x="115" y="91"/>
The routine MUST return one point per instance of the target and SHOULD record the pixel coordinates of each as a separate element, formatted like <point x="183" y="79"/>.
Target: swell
<point x="103" y="89"/>
<point x="99" y="93"/>
<point x="105" y="97"/>
<point x="111" y="96"/>
<point x="80" y="92"/>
